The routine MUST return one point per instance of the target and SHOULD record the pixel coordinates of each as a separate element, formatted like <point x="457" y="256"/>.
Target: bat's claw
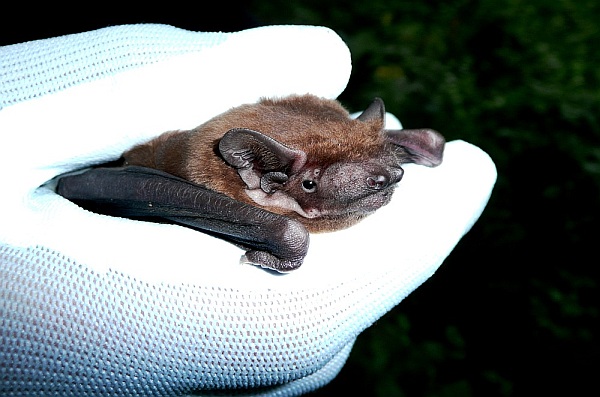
<point x="271" y="262"/>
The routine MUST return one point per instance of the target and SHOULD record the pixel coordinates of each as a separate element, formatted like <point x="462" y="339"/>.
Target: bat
<point x="262" y="176"/>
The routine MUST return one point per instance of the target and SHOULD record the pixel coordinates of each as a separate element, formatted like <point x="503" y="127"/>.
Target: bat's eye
<point x="309" y="186"/>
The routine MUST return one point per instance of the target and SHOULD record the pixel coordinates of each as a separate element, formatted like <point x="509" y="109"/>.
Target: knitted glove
<point x="98" y="305"/>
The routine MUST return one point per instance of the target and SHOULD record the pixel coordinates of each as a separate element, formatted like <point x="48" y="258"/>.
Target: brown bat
<point x="262" y="175"/>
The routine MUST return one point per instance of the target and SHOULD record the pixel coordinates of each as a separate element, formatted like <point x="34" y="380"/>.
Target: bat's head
<point x="314" y="162"/>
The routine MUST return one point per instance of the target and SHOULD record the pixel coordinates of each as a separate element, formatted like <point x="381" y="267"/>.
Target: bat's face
<point x="343" y="188"/>
<point x="329" y="181"/>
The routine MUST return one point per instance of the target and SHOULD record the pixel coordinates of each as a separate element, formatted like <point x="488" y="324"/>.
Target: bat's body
<point x="263" y="174"/>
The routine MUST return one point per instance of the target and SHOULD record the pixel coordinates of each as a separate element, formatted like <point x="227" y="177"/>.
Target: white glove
<point x="91" y="304"/>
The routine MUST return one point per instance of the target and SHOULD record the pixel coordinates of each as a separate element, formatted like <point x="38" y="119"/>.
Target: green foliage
<point x="513" y="310"/>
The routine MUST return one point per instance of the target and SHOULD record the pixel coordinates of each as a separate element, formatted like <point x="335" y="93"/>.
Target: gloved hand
<point x="97" y="305"/>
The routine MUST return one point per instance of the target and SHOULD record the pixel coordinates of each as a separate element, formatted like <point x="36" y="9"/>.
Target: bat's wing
<point x="273" y="241"/>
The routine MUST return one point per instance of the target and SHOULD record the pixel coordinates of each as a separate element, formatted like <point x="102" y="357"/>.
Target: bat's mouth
<point x="342" y="218"/>
<point x="361" y="207"/>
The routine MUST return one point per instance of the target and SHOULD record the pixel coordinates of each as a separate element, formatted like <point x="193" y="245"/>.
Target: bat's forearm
<point x="273" y="241"/>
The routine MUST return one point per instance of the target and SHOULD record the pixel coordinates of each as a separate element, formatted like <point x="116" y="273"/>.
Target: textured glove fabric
<point x="97" y="305"/>
<point x="31" y="70"/>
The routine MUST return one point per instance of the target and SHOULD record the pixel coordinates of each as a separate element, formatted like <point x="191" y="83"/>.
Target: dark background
<point x="514" y="309"/>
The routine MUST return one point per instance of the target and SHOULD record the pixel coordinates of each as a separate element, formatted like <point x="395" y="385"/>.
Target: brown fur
<point x="320" y="127"/>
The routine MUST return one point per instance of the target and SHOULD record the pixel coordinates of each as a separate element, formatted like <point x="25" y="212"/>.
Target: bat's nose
<point x="378" y="182"/>
<point x="383" y="180"/>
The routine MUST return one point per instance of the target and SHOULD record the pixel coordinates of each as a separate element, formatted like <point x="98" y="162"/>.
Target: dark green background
<point x="514" y="309"/>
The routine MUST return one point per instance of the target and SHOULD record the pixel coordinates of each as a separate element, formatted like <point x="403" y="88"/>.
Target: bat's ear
<point x="375" y="112"/>
<point x="258" y="158"/>
<point x="424" y="146"/>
